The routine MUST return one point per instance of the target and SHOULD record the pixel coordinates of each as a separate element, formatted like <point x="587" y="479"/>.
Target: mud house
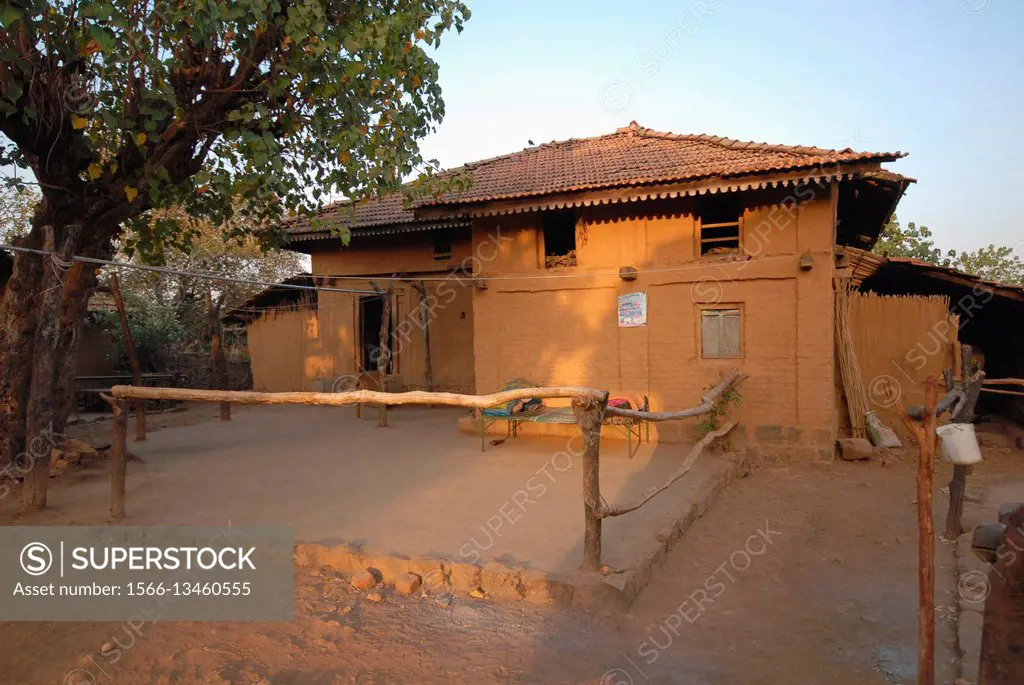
<point x="642" y="262"/>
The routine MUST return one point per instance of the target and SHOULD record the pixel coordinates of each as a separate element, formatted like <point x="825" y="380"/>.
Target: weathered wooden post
<point x="589" y="413"/>
<point x="421" y="288"/>
<point x="220" y="363"/>
<point x="133" y="356"/>
<point x="923" y="431"/>
<point x="957" y="486"/>
<point x="1002" y="638"/>
<point x="118" y="457"/>
<point x="384" y="348"/>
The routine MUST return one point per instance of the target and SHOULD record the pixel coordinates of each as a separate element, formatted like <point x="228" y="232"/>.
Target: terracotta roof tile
<point x="631" y="156"/>
<point x="372" y="211"/>
<point x="634" y="155"/>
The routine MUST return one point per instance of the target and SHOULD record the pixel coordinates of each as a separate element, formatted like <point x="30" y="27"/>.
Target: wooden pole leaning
<point x="133" y="356"/>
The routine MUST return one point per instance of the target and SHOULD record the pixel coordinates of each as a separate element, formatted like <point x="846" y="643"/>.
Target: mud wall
<point x="560" y="326"/>
<point x="284" y="350"/>
<point x="290" y="350"/>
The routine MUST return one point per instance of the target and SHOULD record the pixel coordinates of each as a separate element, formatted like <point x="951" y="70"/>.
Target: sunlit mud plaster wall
<point x="449" y="305"/>
<point x="280" y="342"/>
<point x="562" y="329"/>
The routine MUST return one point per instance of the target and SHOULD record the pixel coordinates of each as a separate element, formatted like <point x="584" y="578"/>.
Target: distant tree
<point x="993" y="263"/>
<point x="913" y="241"/>
<point x="232" y="250"/>
<point x="16" y="209"/>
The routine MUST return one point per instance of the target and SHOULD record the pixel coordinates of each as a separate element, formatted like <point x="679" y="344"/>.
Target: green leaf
<point x="9" y="14"/>
<point x="104" y="37"/>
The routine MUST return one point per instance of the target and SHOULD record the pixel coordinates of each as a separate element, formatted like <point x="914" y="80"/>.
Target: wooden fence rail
<point x="589" y="405"/>
<point x="342" y="399"/>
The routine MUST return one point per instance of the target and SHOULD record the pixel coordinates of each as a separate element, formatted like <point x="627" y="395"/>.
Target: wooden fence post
<point x="421" y="288"/>
<point x="220" y="363"/>
<point x="384" y="348"/>
<point x="1002" y="640"/>
<point x="133" y="356"/>
<point x="957" y="486"/>
<point x="118" y="460"/>
<point x="923" y="431"/>
<point x="590" y="415"/>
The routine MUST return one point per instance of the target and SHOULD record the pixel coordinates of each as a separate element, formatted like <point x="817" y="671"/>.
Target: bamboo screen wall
<point x="906" y="338"/>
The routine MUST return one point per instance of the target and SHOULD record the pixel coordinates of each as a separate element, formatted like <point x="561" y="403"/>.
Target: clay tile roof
<point x="635" y="155"/>
<point x="372" y="211"/>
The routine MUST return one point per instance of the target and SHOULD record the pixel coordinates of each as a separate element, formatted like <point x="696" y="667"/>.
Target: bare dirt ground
<point x="800" y="574"/>
<point x="418" y="487"/>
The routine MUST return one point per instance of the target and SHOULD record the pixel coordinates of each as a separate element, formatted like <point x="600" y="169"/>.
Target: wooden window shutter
<point x="720" y="333"/>
<point x="710" y="334"/>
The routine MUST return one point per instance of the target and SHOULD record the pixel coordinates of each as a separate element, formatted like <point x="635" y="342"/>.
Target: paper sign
<point x="632" y="310"/>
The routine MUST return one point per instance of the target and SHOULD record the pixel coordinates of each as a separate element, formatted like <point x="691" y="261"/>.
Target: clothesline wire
<point x="241" y="308"/>
<point x="192" y="274"/>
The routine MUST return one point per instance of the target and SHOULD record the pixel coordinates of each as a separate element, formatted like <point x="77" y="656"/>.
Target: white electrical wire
<point x="410" y="279"/>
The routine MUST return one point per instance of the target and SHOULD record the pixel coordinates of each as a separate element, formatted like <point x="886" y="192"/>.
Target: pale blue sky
<point x="940" y="79"/>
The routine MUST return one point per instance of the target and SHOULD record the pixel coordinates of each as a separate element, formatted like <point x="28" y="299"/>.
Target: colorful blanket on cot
<point x="534" y="411"/>
<point x="514" y="406"/>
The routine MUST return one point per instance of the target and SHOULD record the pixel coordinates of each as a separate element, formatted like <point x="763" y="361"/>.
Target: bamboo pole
<point x="1003" y="381"/>
<point x="133" y="357"/>
<point x="354" y="396"/>
<point x="923" y="432"/>
<point x="590" y="415"/>
<point x="118" y="457"/>
<point x="1002" y="392"/>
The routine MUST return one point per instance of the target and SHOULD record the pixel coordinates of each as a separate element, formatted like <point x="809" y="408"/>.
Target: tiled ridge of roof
<point x="631" y="156"/>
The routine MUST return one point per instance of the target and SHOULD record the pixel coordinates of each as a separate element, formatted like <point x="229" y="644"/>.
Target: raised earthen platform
<point x="415" y="496"/>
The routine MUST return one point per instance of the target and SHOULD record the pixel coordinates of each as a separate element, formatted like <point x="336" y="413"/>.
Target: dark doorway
<point x="371" y="311"/>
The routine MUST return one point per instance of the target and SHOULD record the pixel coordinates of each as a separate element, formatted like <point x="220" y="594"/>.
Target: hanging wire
<point x="408" y="279"/>
<point x="177" y="272"/>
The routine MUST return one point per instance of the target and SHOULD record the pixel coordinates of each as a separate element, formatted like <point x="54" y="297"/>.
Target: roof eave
<point x="615" y="194"/>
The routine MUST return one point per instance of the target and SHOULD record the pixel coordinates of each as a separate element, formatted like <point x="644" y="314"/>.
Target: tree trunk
<point x="16" y="335"/>
<point x="41" y="313"/>
<point x="47" y="348"/>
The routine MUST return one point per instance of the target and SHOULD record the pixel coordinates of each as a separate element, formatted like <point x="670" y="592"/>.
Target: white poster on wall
<point x="632" y="310"/>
